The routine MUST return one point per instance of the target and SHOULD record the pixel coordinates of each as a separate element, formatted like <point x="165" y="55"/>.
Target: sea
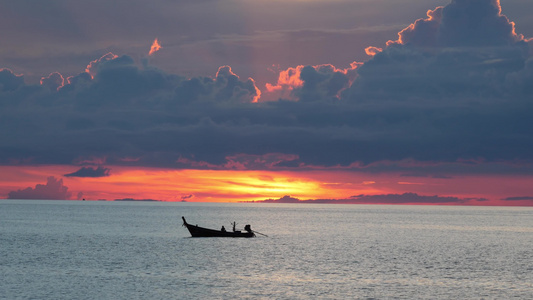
<point x="140" y="250"/>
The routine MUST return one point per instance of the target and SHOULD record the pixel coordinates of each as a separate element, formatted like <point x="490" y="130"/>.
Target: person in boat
<point x="223" y="229"/>
<point x="248" y="228"/>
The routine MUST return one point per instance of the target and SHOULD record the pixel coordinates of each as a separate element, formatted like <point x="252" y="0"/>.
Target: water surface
<point x="139" y="250"/>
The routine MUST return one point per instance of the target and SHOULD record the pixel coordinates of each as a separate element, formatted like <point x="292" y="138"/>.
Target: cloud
<point x="462" y="23"/>
<point x="244" y="162"/>
<point x="90" y="172"/>
<point x="225" y="87"/>
<point x="92" y="67"/>
<point x="518" y="198"/>
<point x="9" y="81"/>
<point x="155" y="47"/>
<point x="371" y="51"/>
<point x="422" y="33"/>
<point x="123" y="107"/>
<point x="184" y="198"/>
<point x="52" y="190"/>
<point x="54" y="81"/>
<point x="433" y="96"/>
<point x="313" y="83"/>
<point x="477" y="23"/>
<point x="230" y="87"/>
<point x="466" y="48"/>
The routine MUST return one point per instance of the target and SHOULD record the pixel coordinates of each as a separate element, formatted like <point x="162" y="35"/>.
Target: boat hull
<point x="197" y="231"/>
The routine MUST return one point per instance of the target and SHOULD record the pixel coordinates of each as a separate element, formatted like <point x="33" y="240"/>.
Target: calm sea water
<point x="126" y="250"/>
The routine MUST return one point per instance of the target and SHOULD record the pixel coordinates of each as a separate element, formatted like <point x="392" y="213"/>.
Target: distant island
<point x="131" y="199"/>
<point x="405" y="198"/>
<point x="289" y="199"/>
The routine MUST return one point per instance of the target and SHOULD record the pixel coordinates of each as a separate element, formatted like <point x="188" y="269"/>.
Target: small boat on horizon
<point x="197" y="231"/>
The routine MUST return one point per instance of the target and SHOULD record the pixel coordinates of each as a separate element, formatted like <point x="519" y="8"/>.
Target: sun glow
<point x="207" y="185"/>
<point x="243" y="185"/>
<point x="177" y="185"/>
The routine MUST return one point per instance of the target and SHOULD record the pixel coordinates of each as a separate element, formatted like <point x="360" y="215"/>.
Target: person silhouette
<point x="223" y="229"/>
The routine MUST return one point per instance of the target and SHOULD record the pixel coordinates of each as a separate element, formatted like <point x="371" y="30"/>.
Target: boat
<point x="197" y="231"/>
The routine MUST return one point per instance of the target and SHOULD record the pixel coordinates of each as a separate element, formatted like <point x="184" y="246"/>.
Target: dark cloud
<point x="518" y="198"/>
<point x="452" y="99"/>
<point x="54" y="81"/>
<point x="228" y="87"/>
<point x="90" y="172"/>
<point x="466" y="48"/>
<point x="52" y="190"/>
<point x="424" y="175"/>
<point x="322" y="82"/>
<point x="9" y="81"/>
<point x="462" y="23"/>
<point x="124" y="111"/>
<point x="475" y="23"/>
<point x="184" y="198"/>
<point x="313" y="83"/>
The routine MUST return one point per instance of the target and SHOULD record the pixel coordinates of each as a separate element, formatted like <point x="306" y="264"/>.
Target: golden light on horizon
<point x="204" y="185"/>
<point x="242" y="186"/>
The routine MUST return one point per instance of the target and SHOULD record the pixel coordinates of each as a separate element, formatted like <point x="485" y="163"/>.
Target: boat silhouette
<point x="197" y="231"/>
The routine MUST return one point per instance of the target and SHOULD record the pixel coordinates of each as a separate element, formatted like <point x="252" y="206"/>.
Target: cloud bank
<point x="455" y="88"/>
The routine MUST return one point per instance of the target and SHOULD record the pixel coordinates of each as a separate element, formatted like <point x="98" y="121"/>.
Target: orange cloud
<point x="287" y="79"/>
<point x="290" y="79"/>
<point x="371" y="51"/>
<point x="93" y="65"/>
<point x="257" y="92"/>
<point x="155" y="47"/>
<point x="433" y="20"/>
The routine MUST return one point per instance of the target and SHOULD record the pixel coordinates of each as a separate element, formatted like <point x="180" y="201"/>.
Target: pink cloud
<point x="52" y="190"/>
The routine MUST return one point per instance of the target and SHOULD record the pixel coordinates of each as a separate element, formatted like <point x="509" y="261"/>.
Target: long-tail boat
<point x="197" y="231"/>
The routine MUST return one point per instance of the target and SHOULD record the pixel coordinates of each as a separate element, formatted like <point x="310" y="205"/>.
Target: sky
<point x="359" y="101"/>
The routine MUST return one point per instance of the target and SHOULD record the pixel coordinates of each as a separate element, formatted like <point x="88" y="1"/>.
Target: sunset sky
<point x="363" y="101"/>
